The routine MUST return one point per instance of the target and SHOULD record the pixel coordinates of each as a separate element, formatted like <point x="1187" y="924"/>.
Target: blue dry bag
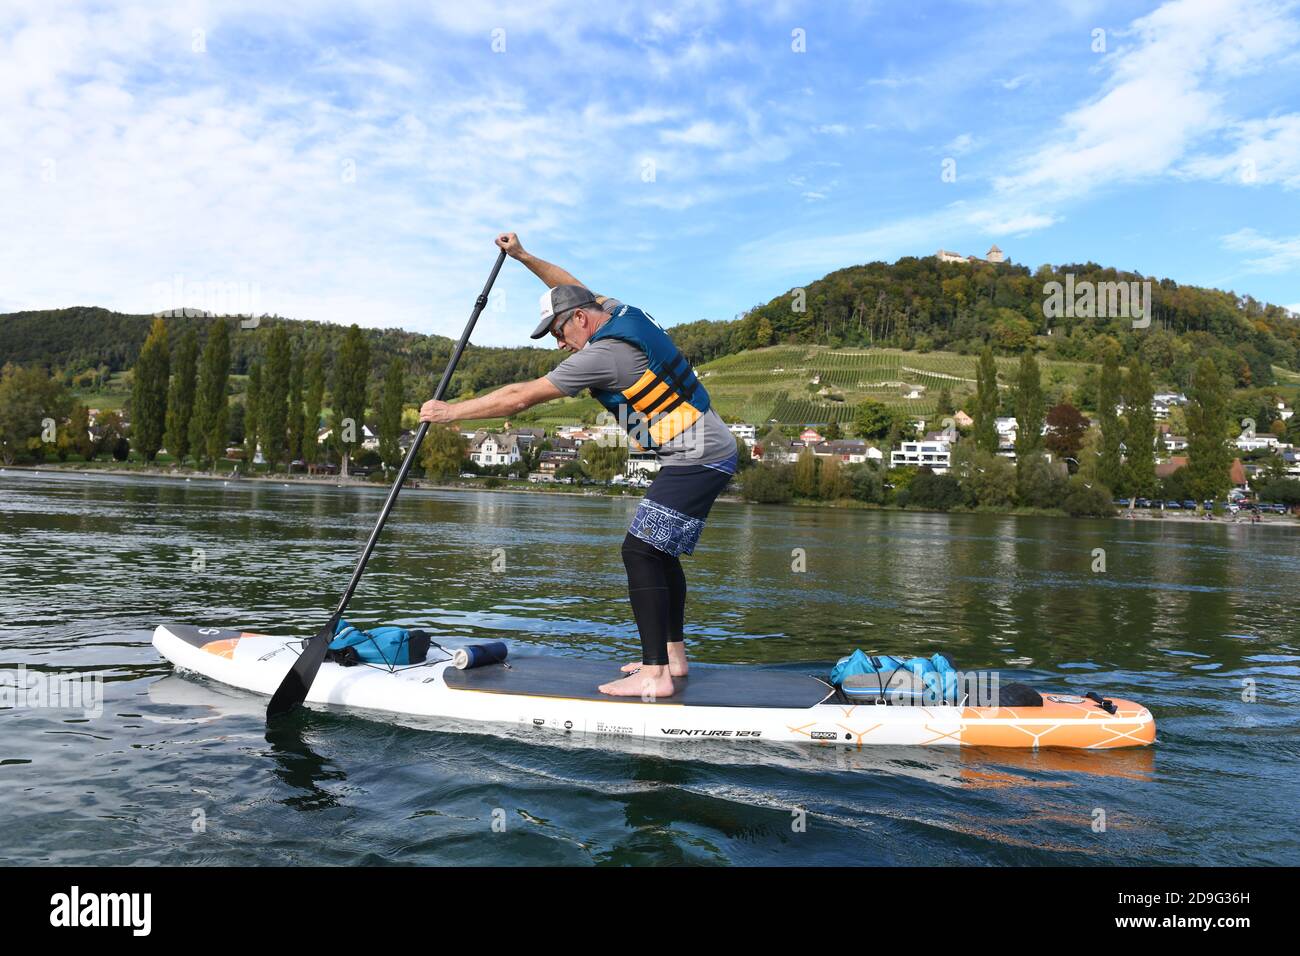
<point x="388" y="645"/>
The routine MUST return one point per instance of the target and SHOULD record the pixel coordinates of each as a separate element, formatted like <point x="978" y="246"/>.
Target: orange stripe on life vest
<point x="651" y="399"/>
<point x="674" y="423"/>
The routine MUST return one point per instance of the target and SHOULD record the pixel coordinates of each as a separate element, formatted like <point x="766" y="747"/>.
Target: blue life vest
<point x="389" y="645"/>
<point x="930" y="680"/>
<point x="668" y="398"/>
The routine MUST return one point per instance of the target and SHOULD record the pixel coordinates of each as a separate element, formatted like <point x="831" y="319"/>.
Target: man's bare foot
<point x="678" y="666"/>
<point x="649" y="683"/>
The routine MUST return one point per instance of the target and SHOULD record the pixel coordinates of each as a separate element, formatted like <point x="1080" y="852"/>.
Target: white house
<point x="847" y="450"/>
<point x="1173" y="442"/>
<point x="488" y="449"/>
<point x="1248" y="442"/>
<point x="933" y="450"/>
<point x="746" y="433"/>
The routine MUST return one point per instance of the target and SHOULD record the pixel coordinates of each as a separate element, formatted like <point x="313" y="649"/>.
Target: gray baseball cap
<point x="559" y="300"/>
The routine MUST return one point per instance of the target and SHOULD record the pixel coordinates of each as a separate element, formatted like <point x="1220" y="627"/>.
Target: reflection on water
<point x="1195" y="620"/>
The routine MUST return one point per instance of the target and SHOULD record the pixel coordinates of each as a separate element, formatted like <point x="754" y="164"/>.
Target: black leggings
<point x="656" y="586"/>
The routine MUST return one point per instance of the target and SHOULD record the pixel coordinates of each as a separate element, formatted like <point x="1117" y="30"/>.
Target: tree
<point x="936" y="492"/>
<point x="805" y="474"/>
<point x="79" y="432"/>
<point x="180" y="397"/>
<point x="315" y="385"/>
<point x="112" y="436"/>
<point x="945" y="406"/>
<point x="602" y="462"/>
<point x="867" y="482"/>
<point x="1066" y="427"/>
<point x="149" y="393"/>
<point x="1040" y="482"/>
<point x="1109" y="397"/>
<point x="275" y="398"/>
<point x="1029" y="407"/>
<point x="768" y="484"/>
<point x="987" y="479"/>
<point x="29" y="401"/>
<point x="351" y="370"/>
<point x="832" y="432"/>
<point x="1084" y="500"/>
<point x="1140" y="434"/>
<point x="1208" y="456"/>
<point x="874" y="420"/>
<point x="253" y="412"/>
<point x="211" y="411"/>
<point x="390" y="415"/>
<point x="986" y="403"/>
<point x="833" y="483"/>
<point x="443" y="451"/>
<point x="1284" y="491"/>
<point x="296" y="426"/>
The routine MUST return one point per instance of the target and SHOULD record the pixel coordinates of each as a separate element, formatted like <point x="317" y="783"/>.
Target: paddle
<point x="293" y="689"/>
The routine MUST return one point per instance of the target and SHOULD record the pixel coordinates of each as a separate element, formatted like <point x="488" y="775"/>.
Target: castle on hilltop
<point x="994" y="255"/>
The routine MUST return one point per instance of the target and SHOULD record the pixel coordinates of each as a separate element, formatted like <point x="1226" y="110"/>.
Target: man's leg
<point x="648" y="590"/>
<point x="675" y="620"/>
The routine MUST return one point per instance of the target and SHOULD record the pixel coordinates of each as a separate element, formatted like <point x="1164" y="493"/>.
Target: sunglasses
<point x="558" y="330"/>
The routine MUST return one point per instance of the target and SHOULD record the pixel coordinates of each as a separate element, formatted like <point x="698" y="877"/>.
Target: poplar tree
<point x="296" y="425"/>
<point x="351" y="369"/>
<point x="315" y="398"/>
<point x="149" y="393"/>
<point x="211" y="413"/>
<point x="986" y="403"/>
<point x="1109" y="464"/>
<point x="275" y="398"/>
<point x="1140" y="431"/>
<point x="1029" y="407"/>
<point x="1207" y="428"/>
<point x="180" y="397"/>
<point x="253" y="411"/>
<point x="390" y="415"/>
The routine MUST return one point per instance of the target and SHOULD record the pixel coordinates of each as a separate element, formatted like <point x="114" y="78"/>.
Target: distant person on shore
<point x="633" y="369"/>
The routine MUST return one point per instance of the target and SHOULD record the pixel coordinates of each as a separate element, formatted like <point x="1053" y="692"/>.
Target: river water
<point x="1196" y="620"/>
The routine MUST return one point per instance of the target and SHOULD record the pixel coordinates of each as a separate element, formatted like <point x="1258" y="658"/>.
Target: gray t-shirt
<point x="615" y="365"/>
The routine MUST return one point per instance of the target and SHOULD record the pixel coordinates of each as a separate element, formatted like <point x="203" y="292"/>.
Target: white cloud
<point x="1267" y="153"/>
<point x="1265" y="254"/>
<point x="1162" y="96"/>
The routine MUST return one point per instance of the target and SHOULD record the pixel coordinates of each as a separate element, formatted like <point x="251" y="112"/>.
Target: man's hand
<point x="508" y="243"/>
<point x="436" y="412"/>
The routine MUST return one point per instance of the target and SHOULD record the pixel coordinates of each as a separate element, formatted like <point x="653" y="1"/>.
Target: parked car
<point x="1191" y="505"/>
<point x="1120" y="502"/>
<point x="1173" y="506"/>
<point x="1143" y="502"/>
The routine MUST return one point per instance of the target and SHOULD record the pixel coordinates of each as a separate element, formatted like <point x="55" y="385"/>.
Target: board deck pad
<point x="577" y="679"/>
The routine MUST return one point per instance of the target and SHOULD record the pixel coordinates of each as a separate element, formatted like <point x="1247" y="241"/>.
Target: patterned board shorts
<point x="671" y="515"/>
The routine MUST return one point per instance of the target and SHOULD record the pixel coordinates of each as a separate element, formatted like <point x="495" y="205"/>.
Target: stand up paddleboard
<point x="717" y="702"/>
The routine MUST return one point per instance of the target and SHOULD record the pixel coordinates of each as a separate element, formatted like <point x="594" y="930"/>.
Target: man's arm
<point x="549" y="273"/>
<point x="507" y="400"/>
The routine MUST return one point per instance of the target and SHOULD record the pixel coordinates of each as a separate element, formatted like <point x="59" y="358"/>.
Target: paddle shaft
<point x="297" y="682"/>
<point x="438" y="393"/>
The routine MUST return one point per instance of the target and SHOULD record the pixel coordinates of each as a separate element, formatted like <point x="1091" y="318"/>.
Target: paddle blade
<point x="293" y="689"/>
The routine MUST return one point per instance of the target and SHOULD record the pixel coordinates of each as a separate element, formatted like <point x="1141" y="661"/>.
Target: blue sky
<point x="352" y="162"/>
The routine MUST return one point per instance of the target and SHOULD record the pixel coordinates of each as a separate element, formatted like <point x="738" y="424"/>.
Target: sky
<point x="348" y="162"/>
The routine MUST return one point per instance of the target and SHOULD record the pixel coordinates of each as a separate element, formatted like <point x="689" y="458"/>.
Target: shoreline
<point x="414" y="484"/>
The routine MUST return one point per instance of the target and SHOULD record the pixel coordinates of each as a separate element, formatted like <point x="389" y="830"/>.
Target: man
<point x="632" y="368"/>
